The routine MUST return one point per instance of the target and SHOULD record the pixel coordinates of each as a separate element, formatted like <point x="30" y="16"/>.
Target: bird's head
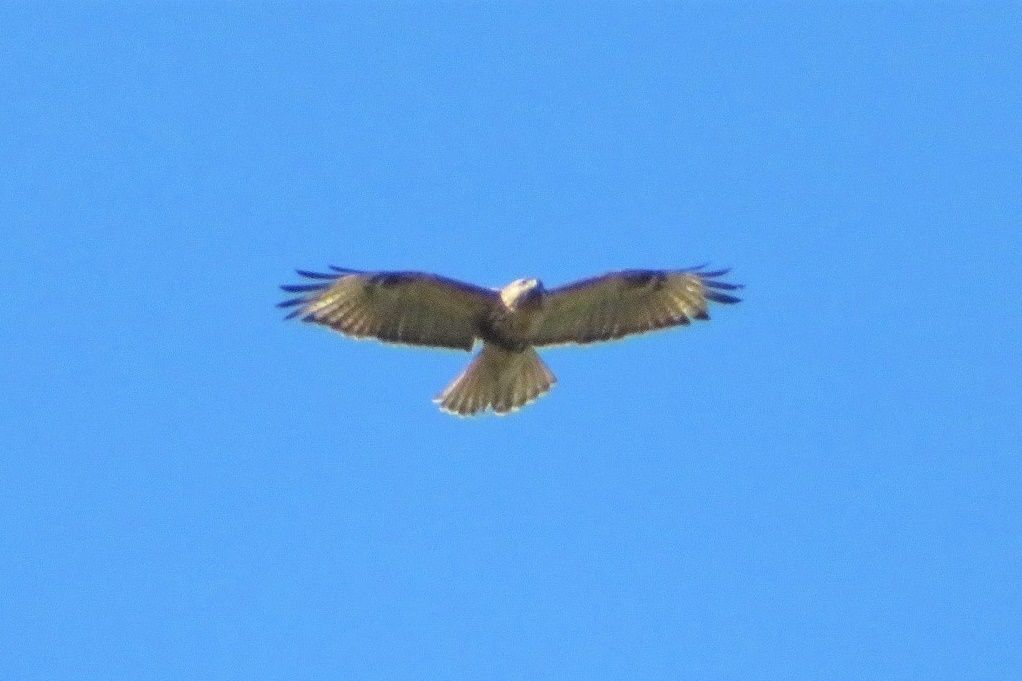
<point x="522" y="291"/>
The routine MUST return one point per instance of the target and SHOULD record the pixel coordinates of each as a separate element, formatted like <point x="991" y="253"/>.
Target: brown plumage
<point x="417" y="308"/>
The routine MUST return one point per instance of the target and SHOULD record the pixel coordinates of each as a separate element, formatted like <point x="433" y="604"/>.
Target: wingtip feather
<point x="723" y="285"/>
<point x="291" y="302"/>
<point x="303" y="288"/>
<point x="718" y="297"/>
<point x="316" y="275"/>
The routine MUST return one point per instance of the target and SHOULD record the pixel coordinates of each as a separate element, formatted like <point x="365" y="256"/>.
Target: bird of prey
<point x="418" y="308"/>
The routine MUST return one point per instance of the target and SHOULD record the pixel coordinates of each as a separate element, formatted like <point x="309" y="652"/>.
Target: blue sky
<point x="822" y="482"/>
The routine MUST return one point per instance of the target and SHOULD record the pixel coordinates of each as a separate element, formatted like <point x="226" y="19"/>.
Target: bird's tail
<point x="498" y="379"/>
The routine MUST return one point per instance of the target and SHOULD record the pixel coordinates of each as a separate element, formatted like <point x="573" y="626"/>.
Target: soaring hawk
<point x="418" y="308"/>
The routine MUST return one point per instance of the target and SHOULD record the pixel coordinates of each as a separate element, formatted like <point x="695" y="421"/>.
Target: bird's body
<point x="418" y="308"/>
<point x="511" y="324"/>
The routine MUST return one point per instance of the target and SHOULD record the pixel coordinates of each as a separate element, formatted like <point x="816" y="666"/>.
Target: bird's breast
<point x="512" y="328"/>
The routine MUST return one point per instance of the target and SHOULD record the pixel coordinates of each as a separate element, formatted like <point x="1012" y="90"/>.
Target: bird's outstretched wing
<point x="413" y="308"/>
<point x="619" y="304"/>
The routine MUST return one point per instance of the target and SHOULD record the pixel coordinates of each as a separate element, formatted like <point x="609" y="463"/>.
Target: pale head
<point x="521" y="291"/>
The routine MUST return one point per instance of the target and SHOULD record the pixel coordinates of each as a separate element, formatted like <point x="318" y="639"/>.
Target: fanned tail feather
<point x="497" y="379"/>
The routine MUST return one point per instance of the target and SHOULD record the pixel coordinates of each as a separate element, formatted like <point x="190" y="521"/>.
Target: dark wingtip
<point x="301" y="288"/>
<point x="316" y="275"/>
<point x="291" y="302"/>
<point x="702" y="314"/>
<point x="713" y="287"/>
<point x="718" y="297"/>
<point x="723" y="285"/>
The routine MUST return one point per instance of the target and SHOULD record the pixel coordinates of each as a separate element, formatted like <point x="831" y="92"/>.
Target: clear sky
<point x="820" y="483"/>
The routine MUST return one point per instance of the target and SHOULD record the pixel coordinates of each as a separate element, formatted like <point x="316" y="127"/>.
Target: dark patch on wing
<point x="644" y="279"/>
<point x="391" y="279"/>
